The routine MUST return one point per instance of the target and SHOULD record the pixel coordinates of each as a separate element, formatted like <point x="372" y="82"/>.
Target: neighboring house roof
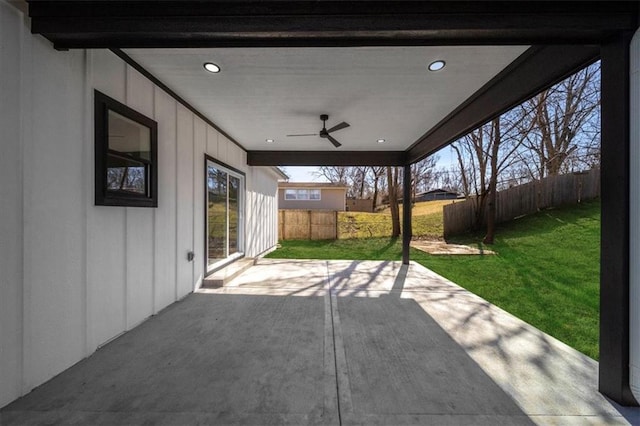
<point x="281" y="172"/>
<point x="437" y="191"/>
<point x="320" y="185"/>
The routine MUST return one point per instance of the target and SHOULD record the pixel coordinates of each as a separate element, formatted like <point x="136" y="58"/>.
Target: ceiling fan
<point x="324" y="133"/>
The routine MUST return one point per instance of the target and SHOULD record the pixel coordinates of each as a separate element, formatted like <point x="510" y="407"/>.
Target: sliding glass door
<point x="224" y="220"/>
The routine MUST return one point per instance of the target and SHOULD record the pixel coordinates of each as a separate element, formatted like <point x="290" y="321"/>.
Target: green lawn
<point x="427" y="221"/>
<point x="546" y="270"/>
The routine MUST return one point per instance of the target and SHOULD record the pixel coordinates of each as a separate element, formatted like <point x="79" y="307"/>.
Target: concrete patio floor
<point x="328" y="342"/>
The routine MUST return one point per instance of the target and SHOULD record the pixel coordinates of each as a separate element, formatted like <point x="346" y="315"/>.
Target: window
<point x="224" y="215"/>
<point x="302" y="194"/>
<point x="290" y="194"/>
<point x="125" y="155"/>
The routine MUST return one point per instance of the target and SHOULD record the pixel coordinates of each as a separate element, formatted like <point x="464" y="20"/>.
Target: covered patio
<point x="328" y="342"/>
<point x="296" y="342"/>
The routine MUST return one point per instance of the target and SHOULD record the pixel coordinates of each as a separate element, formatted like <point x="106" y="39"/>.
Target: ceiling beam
<point x="538" y="68"/>
<point x="326" y="158"/>
<point x="172" y="23"/>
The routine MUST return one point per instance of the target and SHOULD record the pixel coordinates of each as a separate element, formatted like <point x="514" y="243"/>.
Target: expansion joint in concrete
<point x="343" y="390"/>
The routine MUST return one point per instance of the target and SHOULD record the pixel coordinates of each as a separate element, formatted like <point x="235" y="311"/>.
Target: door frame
<point x="231" y="171"/>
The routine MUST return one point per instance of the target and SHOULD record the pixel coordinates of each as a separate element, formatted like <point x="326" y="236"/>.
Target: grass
<point x="426" y="218"/>
<point x="353" y="249"/>
<point x="546" y="271"/>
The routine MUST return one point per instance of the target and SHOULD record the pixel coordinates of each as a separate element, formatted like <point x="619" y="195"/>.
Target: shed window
<point x="125" y="155"/>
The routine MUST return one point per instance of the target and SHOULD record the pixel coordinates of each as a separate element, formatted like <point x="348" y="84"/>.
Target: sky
<point x="305" y="174"/>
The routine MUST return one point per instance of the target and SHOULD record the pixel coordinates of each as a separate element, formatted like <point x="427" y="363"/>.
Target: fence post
<point x="284" y="224"/>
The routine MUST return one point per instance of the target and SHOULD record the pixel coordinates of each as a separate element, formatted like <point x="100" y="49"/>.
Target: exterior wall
<point x="432" y="196"/>
<point x="73" y="275"/>
<point x="330" y="199"/>
<point x="261" y="202"/>
<point x="11" y="207"/>
<point x="634" y="254"/>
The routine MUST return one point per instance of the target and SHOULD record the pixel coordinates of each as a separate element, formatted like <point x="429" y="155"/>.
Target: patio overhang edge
<point x="108" y="24"/>
<point x="536" y="69"/>
<point x="326" y="158"/>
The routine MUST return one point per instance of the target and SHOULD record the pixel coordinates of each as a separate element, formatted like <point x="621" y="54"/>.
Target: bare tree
<point x="377" y="173"/>
<point x="472" y="153"/>
<point x="424" y="175"/>
<point x="448" y="179"/>
<point x="393" y="187"/>
<point x="358" y="178"/>
<point x="334" y="174"/>
<point x="496" y="141"/>
<point x="482" y="156"/>
<point x="554" y="132"/>
<point x="564" y="125"/>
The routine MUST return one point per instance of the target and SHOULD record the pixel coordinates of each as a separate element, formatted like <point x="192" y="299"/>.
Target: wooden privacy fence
<point x="525" y="199"/>
<point x="307" y="225"/>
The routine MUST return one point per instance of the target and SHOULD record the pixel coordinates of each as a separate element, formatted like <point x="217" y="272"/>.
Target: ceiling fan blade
<point x="306" y="134"/>
<point x="338" y="127"/>
<point x="334" y="141"/>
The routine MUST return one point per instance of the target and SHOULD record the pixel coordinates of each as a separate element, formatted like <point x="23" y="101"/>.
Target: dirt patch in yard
<point x="442" y="248"/>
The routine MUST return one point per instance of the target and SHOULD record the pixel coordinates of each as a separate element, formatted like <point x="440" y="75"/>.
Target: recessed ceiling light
<point x="269" y="140"/>
<point x="211" y="67"/>
<point x="381" y="140"/>
<point x="436" y="65"/>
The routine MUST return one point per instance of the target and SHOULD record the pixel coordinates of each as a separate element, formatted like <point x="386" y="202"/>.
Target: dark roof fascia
<point x="535" y="70"/>
<point x="326" y="158"/>
<point x="318" y="185"/>
<point x="436" y="191"/>
<point x="108" y="24"/>
<point x="129" y="60"/>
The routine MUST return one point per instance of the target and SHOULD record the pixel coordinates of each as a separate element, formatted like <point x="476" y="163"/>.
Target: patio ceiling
<point x="382" y="92"/>
<point x="368" y="65"/>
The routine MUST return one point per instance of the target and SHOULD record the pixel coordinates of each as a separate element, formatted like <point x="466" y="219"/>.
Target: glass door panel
<point x="224" y="216"/>
<point x="216" y="214"/>
<point x="234" y="214"/>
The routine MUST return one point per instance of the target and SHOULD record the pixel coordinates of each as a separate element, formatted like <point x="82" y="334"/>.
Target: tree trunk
<point x="392" y="178"/>
<point x="362" y="178"/>
<point x="493" y="184"/>
<point x="481" y="205"/>
<point x="375" y="191"/>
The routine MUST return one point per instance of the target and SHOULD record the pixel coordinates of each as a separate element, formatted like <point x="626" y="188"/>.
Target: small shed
<point x="360" y="205"/>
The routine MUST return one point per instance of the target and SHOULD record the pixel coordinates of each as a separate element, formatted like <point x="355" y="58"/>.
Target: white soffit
<point x="382" y="92"/>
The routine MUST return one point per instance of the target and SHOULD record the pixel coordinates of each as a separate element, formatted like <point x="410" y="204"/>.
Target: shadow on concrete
<point x="403" y="366"/>
<point x="246" y="359"/>
<point x="398" y="283"/>
<point x="360" y="343"/>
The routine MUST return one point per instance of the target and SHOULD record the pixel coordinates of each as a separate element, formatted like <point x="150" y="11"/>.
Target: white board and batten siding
<point x="74" y="275"/>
